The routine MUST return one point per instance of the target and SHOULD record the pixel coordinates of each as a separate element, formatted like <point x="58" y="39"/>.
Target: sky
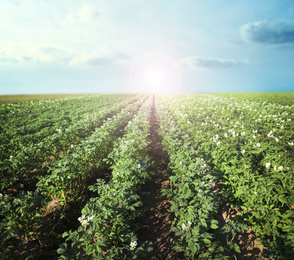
<point x="118" y="46"/>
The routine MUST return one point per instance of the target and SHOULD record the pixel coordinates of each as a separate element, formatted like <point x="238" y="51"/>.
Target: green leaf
<point x="206" y="241"/>
<point x="214" y="226"/>
<point x="204" y="224"/>
<point x="244" y="208"/>
<point x="60" y="251"/>
<point x="237" y="248"/>
<point x="283" y="199"/>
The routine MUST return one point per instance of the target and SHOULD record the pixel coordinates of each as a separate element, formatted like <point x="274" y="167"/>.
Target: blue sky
<point x="99" y="46"/>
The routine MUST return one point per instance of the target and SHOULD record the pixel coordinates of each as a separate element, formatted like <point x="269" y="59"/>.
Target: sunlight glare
<point x="154" y="72"/>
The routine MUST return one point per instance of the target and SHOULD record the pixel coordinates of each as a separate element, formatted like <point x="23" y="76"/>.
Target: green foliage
<point x="50" y="150"/>
<point x="19" y="218"/>
<point x="109" y="219"/>
<point x="192" y="200"/>
<point x="249" y="144"/>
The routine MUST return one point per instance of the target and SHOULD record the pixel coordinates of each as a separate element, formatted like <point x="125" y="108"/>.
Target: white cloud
<point x="30" y="52"/>
<point x="98" y="58"/>
<point x="202" y="62"/>
<point x="87" y="14"/>
<point x="19" y="52"/>
<point x="268" y="32"/>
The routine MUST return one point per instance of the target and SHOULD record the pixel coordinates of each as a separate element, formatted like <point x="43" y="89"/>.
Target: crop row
<point x="250" y="144"/>
<point x="193" y="198"/>
<point x="32" y="122"/>
<point x="109" y="220"/>
<point x="64" y="179"/>
<point x="19" y="131"/>
<point x="25" y="160"/>
<point x="92" y="152"/>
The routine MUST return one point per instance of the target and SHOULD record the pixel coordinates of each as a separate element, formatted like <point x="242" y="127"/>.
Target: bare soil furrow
<point x="157" y="219"/>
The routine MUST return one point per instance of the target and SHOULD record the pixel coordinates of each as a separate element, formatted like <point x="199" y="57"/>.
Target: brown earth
<point x="250" y="249"/>
<point x="157" y="219"/>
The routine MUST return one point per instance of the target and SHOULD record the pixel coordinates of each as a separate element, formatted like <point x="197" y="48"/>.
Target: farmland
<point x="121" y="176"/>
<point x="23" y="98"/>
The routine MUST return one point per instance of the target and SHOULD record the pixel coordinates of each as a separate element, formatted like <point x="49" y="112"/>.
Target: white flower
<point x="180" y="162"/>
<point x="280" y="168"/>
<point x="117" y="173"/>
<point x="243" y="151"/>
<point x="83" y="216"/>
<point x="71" y="146"/>
<point x="275" y="168"/>
<point x="85" y="220"/>
<point x="277" y="140"/>
<point x="133" y="245"/>
<point x="268" y="165"/>
<point x="184" y="227"/>
<point x="91" y="217"/>
<point x="258" y="144"/>
<point x="254" y="136"/>
<point x="139" y="165"/>
<point x="291" y="143"/>
<point x="1" y="195"/>
<point x="218" y="143"/>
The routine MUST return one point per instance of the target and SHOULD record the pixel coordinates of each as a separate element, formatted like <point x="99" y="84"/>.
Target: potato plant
<point x="91" y="157"/>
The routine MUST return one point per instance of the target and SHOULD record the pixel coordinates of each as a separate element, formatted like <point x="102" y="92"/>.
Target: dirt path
<point x="157" y="219"/>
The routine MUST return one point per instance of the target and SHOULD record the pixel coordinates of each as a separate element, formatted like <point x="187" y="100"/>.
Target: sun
<point x="154" y="72"/>
<point x="154" y="80"/>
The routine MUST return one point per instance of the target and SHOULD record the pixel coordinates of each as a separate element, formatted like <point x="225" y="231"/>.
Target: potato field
<point x="123" y="176"/>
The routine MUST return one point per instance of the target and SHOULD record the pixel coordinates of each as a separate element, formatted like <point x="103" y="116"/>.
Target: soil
<point x="250" y="249"/>
<point x="157" y="219"/>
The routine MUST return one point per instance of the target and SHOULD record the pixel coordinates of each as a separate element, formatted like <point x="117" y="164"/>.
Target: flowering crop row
<point x="29" y="124"/>
<point x="63" y="181"/>
<point x="108" y="221"/>
<point x="192" y="197"/>
<point x="220" y="150"/>
<point x="67" y="175"/>
<point x="31" y="117"/>
<point x="29" y="157"/>
<point x="251" y="145"/>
